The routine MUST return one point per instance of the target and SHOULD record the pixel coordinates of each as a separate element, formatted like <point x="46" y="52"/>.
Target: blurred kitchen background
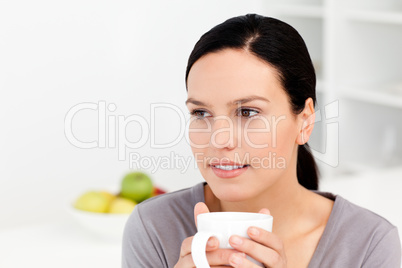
<point x="77" y="80"/>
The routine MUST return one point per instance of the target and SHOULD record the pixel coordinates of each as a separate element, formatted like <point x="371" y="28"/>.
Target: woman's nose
<point x="223" y="133"/>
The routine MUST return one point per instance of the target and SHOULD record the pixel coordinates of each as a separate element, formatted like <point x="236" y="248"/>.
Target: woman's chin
<point x="230" y="193"/>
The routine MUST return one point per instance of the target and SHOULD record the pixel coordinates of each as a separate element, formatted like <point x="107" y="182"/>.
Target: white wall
<point x="57" y="54"/>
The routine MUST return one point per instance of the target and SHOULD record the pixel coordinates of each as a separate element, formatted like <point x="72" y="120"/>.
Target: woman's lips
<point x="229" y="173"/>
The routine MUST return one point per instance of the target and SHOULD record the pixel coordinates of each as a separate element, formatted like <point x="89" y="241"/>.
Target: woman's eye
<point x="199" y="113"/>
<point x="247" y="112"/>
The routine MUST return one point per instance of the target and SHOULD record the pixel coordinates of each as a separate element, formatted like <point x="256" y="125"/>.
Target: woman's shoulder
<point x="359" y="233"/>
<point x="350" y="214"/>
<point x="355" y="216"/>
<point x="160" y="223"/>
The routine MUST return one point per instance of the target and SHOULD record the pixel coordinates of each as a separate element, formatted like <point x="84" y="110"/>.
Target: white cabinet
<point x="356" y="47"/>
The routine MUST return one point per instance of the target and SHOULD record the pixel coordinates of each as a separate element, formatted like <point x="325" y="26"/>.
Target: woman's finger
<point x="240" y="261"/>
<point x="199" y="208"/>
<point x="255" y="250"/>
<point x="185" y="248"/>
<point x="264" y="247"/>
<point x="265" y="211"/>
<point x="221" y="256"/>
<point x="212" y="244"/>
<point x="216" y="258"/>
<point x="266" y="238"/>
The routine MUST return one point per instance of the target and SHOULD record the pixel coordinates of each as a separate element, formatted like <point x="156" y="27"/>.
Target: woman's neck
<point x="287" y="202"/>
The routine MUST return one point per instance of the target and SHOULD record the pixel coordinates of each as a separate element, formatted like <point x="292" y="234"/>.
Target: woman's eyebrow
<point x="232" y="103"/>
<point x="247" y="99"/>
<point x="196" y="102"/>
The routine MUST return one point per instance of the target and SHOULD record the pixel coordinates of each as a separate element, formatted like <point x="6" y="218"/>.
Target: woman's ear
<point x="307" y="118"/>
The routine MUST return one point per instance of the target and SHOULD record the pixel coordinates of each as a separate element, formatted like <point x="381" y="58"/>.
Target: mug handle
<point x="198" y="246"/>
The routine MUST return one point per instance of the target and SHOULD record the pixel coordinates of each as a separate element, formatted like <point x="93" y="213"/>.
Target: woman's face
<point x="240" y="116"/>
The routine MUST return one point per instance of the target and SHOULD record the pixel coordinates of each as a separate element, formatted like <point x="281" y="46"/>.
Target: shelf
<point x="354" y="168"/>
<point x="355" y="46"/>
<point x="390" y="96"/>
<point x="305" y="11"/>
<point x="390" y="17"/>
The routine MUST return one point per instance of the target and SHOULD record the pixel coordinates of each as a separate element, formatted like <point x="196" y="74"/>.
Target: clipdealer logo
<point x="112" y="133"/>
<point x="112" y="128"/>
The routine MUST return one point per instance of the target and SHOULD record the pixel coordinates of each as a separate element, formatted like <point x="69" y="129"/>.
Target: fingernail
<point x="236" y="240"/>
<point x="254" y="231"/>
<point x="211" y="243"/>
<point x="236" y="259"/>
<point x="265" y="211"/>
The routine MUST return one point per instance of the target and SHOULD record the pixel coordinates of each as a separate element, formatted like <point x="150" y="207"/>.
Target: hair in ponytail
<point x="281" y="46"/>
<point x="307" y="171"/>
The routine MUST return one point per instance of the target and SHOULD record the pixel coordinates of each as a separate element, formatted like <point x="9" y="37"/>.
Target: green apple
<point x="121" y="205"/>
<point x="136" y="186"/>
<point x="93" y="201"/>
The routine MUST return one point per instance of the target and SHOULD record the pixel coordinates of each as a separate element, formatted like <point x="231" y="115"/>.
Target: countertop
<point x="57" y="244"/>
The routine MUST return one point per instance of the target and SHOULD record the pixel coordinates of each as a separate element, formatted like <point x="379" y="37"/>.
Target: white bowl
<point x="105" y="225"/>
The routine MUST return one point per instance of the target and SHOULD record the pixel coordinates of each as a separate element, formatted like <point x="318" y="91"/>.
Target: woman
<point x="251" y="94"/>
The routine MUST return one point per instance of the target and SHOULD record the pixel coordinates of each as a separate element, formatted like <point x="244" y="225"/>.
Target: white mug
<point x="223" y="225"/>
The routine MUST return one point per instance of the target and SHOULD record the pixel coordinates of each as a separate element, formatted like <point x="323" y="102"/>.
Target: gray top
<point x="353" y="237"/>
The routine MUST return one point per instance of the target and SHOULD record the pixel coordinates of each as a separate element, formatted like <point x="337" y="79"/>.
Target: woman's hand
<point x="264" y="247"/>
<point x="216" y="256"/>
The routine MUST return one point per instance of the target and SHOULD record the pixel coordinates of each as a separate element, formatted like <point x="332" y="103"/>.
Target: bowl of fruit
<point x="105" y="212"/>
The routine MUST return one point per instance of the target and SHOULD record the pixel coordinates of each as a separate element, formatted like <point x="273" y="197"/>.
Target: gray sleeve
<point x="138" y="249"/>
<point x="386" y="253"/>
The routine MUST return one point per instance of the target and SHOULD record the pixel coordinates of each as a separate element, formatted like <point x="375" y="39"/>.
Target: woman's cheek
<point x="199" y="141"/>
<point x="269" y="141"/>
<point x="199" y="135"/>
<point x="257" y="133"/>
<point x="284" y="141"/>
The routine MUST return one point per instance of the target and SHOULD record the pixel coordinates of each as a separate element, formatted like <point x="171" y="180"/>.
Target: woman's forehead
<point x="231" y="69"/>
<point x="232" y="72"/>
<point x="235" y="63"/>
